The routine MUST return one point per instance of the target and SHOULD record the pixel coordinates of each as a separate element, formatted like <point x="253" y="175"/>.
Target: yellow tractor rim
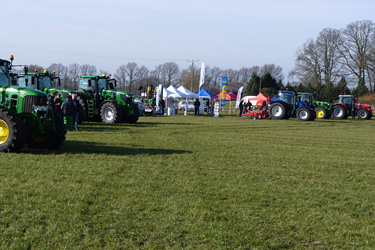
<point x="4" y="131"/>
<point x="319" y="113"/>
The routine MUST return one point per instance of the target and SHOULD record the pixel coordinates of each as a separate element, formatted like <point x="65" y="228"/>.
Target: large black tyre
<point x="12" y="131"/>
<point x="277" y="111"/>
<point x="304" y="114"/>
<point x="339" y="112"/>
<point x="363" y="114"/>
<point x="52" y="140"/>
<point x="111" y="113"/>
<point x="320" y="113"/>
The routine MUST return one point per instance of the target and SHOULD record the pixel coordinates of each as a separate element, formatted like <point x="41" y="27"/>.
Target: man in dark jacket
<point x="68" y="111"/>
<point x="197" y="103"/>
<point x="76" y="111"/>
<point x="51" y="101"/>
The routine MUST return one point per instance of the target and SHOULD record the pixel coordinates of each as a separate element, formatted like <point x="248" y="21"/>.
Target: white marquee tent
<point x="187" y="92"/>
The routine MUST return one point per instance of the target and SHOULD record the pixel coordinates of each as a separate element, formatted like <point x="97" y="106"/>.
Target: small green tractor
<point x="25" y="116"/>
<point x="323" y="110"/>
<point x="100" y="100"/>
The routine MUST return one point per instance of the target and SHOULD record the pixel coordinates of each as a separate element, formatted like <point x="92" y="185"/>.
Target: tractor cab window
<point x="45" y="82"/>
<point x="84" y="84"/>
<point x="102" y="84"/>
<point x="286" y="97"/>
<point x="4" y="67"/>
<point x="305" y="98"/>
<point x="22" y="81"/>
<point x="347" y="100"/>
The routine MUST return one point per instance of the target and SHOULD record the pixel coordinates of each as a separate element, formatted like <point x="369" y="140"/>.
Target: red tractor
<point x="347" y="106"/>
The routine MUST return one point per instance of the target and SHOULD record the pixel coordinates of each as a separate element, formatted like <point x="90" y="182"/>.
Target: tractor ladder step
<point x="90" y="109"/>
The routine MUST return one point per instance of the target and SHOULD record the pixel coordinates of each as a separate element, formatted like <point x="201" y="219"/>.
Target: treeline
<point x="335" y="57"/>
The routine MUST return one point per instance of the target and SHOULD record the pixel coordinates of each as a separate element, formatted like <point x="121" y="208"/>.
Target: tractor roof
<point x="304" y="93"/>
<point x="94" y="77"/>
<point x="286" y="91"/>
<point x="2" y="61"/>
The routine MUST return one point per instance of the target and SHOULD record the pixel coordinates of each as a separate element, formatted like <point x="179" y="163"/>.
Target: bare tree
<point x="245" y="74"/>
<point x="120" y="77"/>
<point x="73" y="74"/>
<point x="142" y="77"/>
<point x="275" y="71"/>
<point x="357" y="42"/>
<point x="61" y="72"/>
<point x="171" y="72"/>
<point x="87" y="70"/>
<point x="35" y="67"/>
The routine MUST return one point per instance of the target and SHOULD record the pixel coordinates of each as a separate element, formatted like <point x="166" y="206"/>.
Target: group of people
<point x="245" y="107"/>
<point x="67" y="111"/>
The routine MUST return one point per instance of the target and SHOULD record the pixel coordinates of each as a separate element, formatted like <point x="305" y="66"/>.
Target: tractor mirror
<point x="32" y="80"/>
<point x="58" y="82"/>
<point x="26" y="69"/>
<point x="89" y="83"/>
<point x="26" y="82"/>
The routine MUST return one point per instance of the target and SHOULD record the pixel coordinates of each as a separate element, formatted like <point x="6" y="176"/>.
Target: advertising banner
<point x="239" y="97"/>
<point x="224" y="90"/>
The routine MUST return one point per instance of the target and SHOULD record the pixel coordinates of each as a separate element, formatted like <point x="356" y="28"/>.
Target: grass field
<point x="187" y="182"/>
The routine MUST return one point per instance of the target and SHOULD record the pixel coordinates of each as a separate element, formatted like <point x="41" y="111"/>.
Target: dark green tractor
<point x="100" y="100"/>
<point x="25" y="117"/>
<point x="323" y="110"/>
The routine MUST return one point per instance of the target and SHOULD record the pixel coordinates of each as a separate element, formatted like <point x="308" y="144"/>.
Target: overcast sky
<point x="227" y="34"/>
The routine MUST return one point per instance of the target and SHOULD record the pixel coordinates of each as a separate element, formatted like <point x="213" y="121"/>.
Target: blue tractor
<point x="288" y="104"/>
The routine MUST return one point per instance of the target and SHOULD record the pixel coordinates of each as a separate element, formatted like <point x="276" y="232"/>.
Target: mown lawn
<point x="189" y="182"/>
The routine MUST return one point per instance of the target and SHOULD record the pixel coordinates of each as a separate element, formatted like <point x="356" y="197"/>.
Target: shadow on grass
<point x="79" y="147"/>
<point x="99" y="126"/>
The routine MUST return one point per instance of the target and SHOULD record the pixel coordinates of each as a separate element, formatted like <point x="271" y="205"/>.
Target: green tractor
<point x="149" y="99"/>
<point x="25" y="116"/>
<point x="46" y="82"/>
<point x="323" y="110"/>
<point x="100" y="100"/>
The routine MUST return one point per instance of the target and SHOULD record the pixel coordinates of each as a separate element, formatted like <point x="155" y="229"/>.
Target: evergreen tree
<point x="289" y="87"/>
<point x="361" y="88"/>
<point x="252" y="87"/>
<point x="327" y="93"/>
<point x="341" y="87"/>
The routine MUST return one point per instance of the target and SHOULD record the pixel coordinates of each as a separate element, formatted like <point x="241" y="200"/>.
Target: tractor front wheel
<point x="321" y="113"/>
<point x="111" y="113"/>
<point x="339" y="112"/>
<point x="304" y="114"/>
<point x="12" y="132"/>
<point x="277" y="111"/>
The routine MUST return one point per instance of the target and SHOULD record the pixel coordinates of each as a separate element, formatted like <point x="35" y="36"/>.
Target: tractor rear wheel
<point x="303" y="114"/>
<point x="111" y="113"/>
<point x="339" y="112"/>
<point x="321" y="113"/>
<point x="52" y="140"/>
<point x="362" y="114"/>
<point x="277" y="111"/>
<point x="12" y="132"/>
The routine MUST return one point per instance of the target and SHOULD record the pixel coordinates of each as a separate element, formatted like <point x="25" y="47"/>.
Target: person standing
<point x="58" y="104"/>
<point x="162" y="106"/>
<point x="76" y="111"/>
<point x="68" y="111"/>
<point x="241" y="107"/>
<point x="51" y="101"/>
<point x="197" y="103"/>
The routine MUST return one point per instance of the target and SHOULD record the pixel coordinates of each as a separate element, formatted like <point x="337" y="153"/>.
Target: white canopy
<point x="187" y="93"/>
<point x="169" y="94"/>
<point x="174" y="90"/>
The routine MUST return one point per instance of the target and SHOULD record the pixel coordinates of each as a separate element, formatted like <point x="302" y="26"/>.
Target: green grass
<point x="189" y="182"/>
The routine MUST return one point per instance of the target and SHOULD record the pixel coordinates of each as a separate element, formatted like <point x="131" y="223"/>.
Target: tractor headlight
<point x="41" y="111"/>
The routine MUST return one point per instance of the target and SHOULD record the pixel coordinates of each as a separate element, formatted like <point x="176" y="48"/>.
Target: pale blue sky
<point x="224" y="33"/>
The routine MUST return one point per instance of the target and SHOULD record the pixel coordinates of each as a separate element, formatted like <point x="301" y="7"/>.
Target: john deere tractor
<point x="288" y="104"/>
<point x="25" y="117"/>
<point x="347" y="106"/>
<point x="149" y="99"/>
<point x="99" y="99"/>
<point x="323" y="110"/>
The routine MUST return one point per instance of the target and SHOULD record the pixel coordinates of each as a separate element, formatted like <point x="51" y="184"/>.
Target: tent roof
<point x="205" y="94"/>
<point x="176" y="91"/>
<point x="230" y="96"/>
<point x="188" y="93"/>
<point x="259" y="97"/>
<point x="169" y="94"/>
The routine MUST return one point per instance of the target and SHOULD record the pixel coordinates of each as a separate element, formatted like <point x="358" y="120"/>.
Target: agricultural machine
<point x="347" y="106"/>
<point x="149" y="99"/>
<point x="323" y="110"/>
<point x="288" y="104"/>
<point x="46" y="82"/>
<point x="25" y="117"/>
<point x="262" y="112"/>
<point x="99" y="99"/>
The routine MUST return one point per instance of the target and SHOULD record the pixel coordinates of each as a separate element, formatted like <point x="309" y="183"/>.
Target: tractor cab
<point x="348" y="100"/>
<point x="38" y="80"/>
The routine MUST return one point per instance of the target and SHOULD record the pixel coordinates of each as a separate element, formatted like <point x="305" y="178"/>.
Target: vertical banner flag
<point x="203" y="73"/>
<point x="224" y="90"/>
<point x="239" y="97"/>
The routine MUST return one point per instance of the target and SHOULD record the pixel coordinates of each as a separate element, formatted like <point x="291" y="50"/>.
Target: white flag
<point x="238" y="97"/>
<point x="203" y="73"/>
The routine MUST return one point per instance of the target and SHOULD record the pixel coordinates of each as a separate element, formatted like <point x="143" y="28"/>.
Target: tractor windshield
<point x="45" y="82"/>
<point x="286" y="97"/>
<point x="102" y="83"/>
<point x="347" y="100"/>
<point x="4" y="73"/>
